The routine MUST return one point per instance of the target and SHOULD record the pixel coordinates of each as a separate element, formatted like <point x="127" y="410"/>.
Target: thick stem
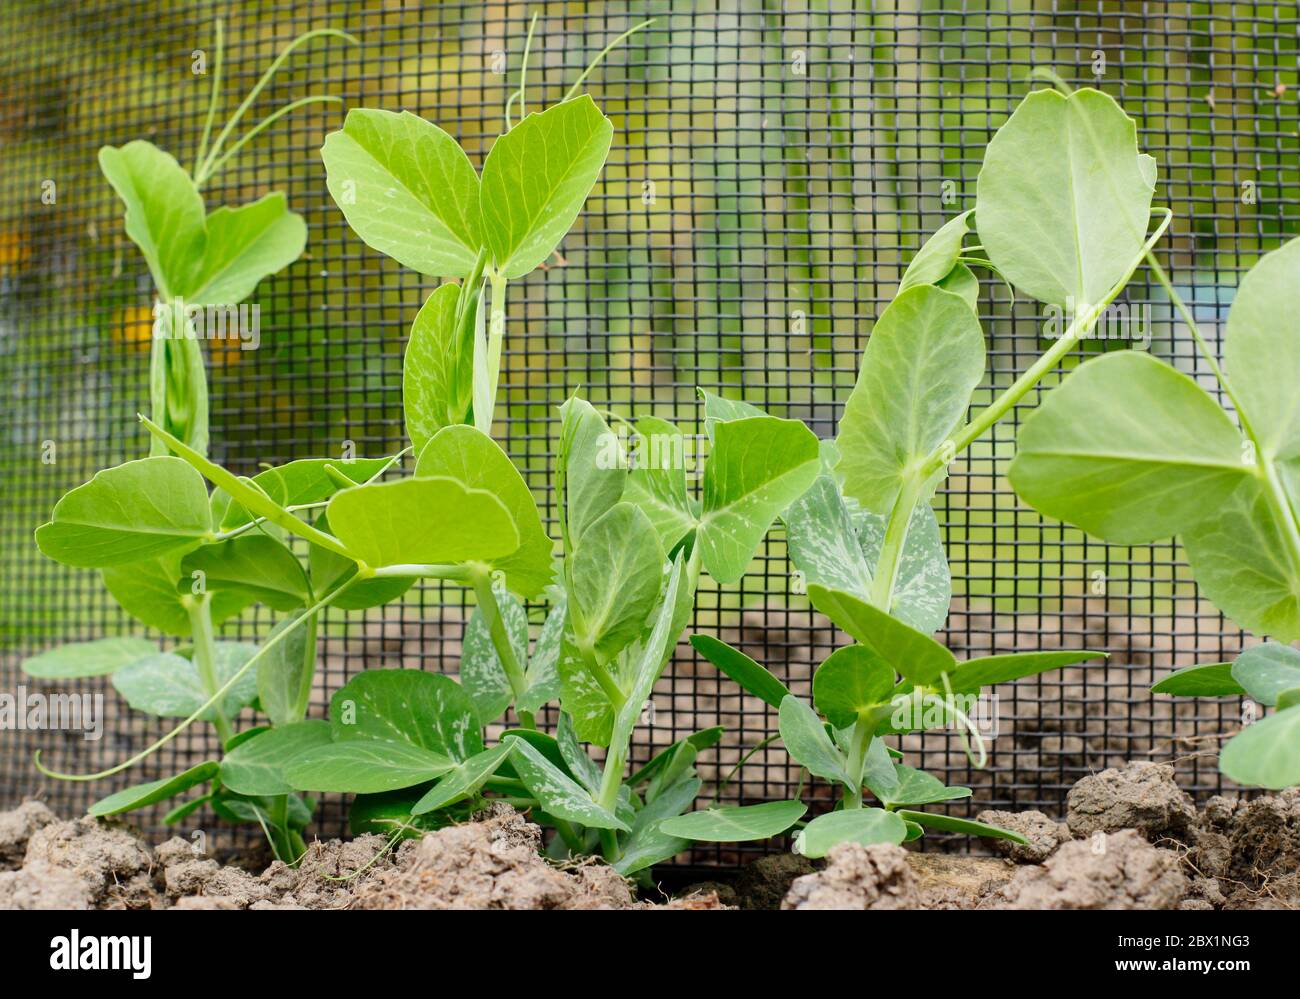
<point x="858" y="746"/>
<point x="891" y="550"/>
<point x="491" y="610"/>
<point x="611" y="779"/>
<point x="205" y="653"/>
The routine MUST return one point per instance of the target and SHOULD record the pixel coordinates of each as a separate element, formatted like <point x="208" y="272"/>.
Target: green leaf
<point x="169" y="685"/>
<point x="835" y="544"/>
<point x="164" y="211"/>
<point x="736" y="823"/>
<point x="913" y="655"/>
<point x="329" y="570"/>
<point x="1260" y="349"/>
<point x="242" y="246"/>
<point x="591" y="467"/>
<point x="256" y="767"/>
<point x="1209" y="680"/>
<point x="851" y="682"/>
<point x="581" y="696"/>
<point x="701" y="740"/>
<point x="719" y="409"/>
<point x="1266" y="753"/>
<point x="128" y="513"/>
<point x="433" y="520"/>
<point x="472" y="458"/>
<point x="657" y="480"/>
<point x="808" y="744"/>
<point x="648" y="844"/>
<point x="915" y="787"/>
<point x="559" y="794"/>
<point x="142" y="795"/>
<point x="1062" y="201"/>
<point x="923" y="360"/>
<point x="758" y="467"/>
<point x="615" y="578"/>
<point x="542" y="673"/>
<point x="536" y="178"/>
<point x="745" y="671"/>
<point x="364" y="766"/>
<point x="97" y="658"/>
<point x="465" y="780"/>
<point x="656" y="649"/>
<point x="1129" y="449"/>
<point x="425" y="710"/>
<point x="576" y="760"/>
<point x="1267" y="670"/>
<point x="407" y="189"/>
<point x="1241" y="559"/>
<point x="148" y="591"/>
<point x="437" y="369"/>
<point x="481" y="672"/>
<point x="967" y="827"/>
<point x="285" y="671"/>
<point x="258" y="564"/>
<point x="988" y="670"/>
<point x="308" y="480"/>
<point x="938" y="255"/>
<point x="854" y="825"/>
<point x="961" y="281"/>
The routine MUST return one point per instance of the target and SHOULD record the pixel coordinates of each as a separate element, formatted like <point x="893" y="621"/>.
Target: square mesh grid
<point x="774" y="166"/>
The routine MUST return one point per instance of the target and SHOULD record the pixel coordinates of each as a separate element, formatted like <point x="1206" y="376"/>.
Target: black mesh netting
<point x="773" y="166"/>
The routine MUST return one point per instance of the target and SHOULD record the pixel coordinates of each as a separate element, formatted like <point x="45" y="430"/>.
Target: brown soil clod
<point x="858" y="877"/>
<point x="1044" y="834"/>
<point x="16" y="828"/>
<point x="1116" y="871"/>
<point x="954" y="881"/>
<point x="1141" y="796"/>
<point x="112" y="863"/>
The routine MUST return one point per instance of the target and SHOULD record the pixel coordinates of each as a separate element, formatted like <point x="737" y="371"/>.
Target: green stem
<point x="205" y="649"/>
<point x="611" y="779"/>
<point x="601" y="675"/>
<point x="491" y="610"/>
<point x="861" y="741"/>
<point x="601" y="55"/>
<point x="609" y="845"/>
<point x="261" y="126"/>
<point x="901" y="514"/>
<point x="213" y="99"/>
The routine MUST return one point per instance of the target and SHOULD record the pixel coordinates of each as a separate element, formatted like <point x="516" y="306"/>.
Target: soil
<point x="1130" y="840"/>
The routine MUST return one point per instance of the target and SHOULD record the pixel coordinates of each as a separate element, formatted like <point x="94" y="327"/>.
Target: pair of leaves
<point x="408" y="189"/>
<point x="836" y="545"/>
<point x="757" y="467"/>
<point x="205" y="259"/>
<point x="390" y="729"/>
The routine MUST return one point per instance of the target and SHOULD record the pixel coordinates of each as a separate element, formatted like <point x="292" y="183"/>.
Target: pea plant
<point x="169" y="564"/>
<point x="1133" y="450"/>
<point x="1063" y="208"/>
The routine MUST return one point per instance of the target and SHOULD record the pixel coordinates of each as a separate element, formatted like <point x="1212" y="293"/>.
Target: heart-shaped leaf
<point x="473" y="459"/>
<point x="258" y="564"/>
<point x="407" y="189"/>
<point x="854" y="825"/>
<point x="851" y="682"/>
<point x="242" y="246"/>
<point x="536" y="178"/>
<point x="128" y="513"/>
<point x="256" y="766"/>
<point x="426" y="520"/>
<point x="149" y="591"/>
<point x="808" y="744"/>
<point x="1064" y="171"/>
